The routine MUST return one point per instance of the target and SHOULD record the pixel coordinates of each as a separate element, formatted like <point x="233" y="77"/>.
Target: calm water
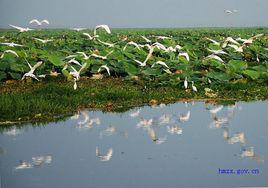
<point x="178" y="145"/>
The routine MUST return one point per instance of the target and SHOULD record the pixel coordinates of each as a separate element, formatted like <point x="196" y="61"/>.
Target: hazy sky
<point x="135" y="13"/>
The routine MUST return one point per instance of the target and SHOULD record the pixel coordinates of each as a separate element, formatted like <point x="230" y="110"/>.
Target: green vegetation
<point x="241" y="75"/>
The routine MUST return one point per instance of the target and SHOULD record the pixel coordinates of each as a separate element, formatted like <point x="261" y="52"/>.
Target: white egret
<point x="89" y="36"/>
<point x="101" y="57"/>
<point x="236" y="48"/>
<point x="146" y="39"/>
<point x="135" y="114"/>
<point x="32" y="69"/>
<point x="184" y="54"/>
<point x="106" y="27"/>
<point x="131" y="43"/>
<point x="229" y="40"/>
<point x="213" y="41"/>
<point x="216" y="109"/>
<point x="78" y="29"/>
<point x="12" y="44"/>
<point x="174" y="130"/>
<point x="86" y="57"/>
<point x="217" y="51"/>
<point x="44" y="41"/>
<point x="104" y="67"/>
<point x="110" y="45"/>
<point x="160" y="63"/>
<point x="24" y="165"/>
<point x="185" y="83"/>
<point x="213" y="56"/>
<point x="39" y="22"/>
<point x="9" y="51"/>
<point x="142" y="64"/>
<point x="21" y="29"/>
<point x="193" y="87"/>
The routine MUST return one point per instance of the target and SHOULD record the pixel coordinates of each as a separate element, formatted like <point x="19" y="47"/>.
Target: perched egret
<point x="184" y="54"/>
<point x="213" y="56"/>
<point x="146" y="39"/>
<point x="193" y="87"/>
<point x="131" y="43"/>
<point x="101" y="57"/>
<point x="12" y="44"/>
<point x="185" y="83"/>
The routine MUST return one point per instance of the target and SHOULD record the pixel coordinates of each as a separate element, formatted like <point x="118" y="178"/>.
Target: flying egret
<point x="142" y="64"/>
<point x="9" y="51"/>
<point x="110" y="45"/>
<point x="145" y="123"/>
<point x="159" y="46"/>
<point x="160" y="63"/>
<point x="106" y="27"/>
<point x="135" y="114"/>
<point x="12" y="44"/>
<point x="131" y="43"/>
<point x="104" y="67"/>
<point x="21" y="29"/>
<point x="32" y="69"/>
<point x="236" y="48"/>
<point x="216" y="109"/>
<point x="24" y="165"/>
<point x="78" y="29"/>
<point x="230" y="11"/>
<point x="101" y="57"/>
<point x="39" y="22"/>
<point x="86" y="57"/>
<point x="213" y="41"/>
<point x="229" y="40"/>
<point x="146" y="39"/>
<point x="44" y="41"/>
<point x="193" y="87"/>
<point x="105" y="157"/>
<point x="217" y="51"/>
<point x="89" y="36"/>
<point x="184" y="54"/>
<point x="162" y="37"/>
<point x="213" y="56"/>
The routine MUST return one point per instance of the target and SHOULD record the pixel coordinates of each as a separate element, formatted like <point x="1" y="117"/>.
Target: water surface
<point x="177" y="145"/>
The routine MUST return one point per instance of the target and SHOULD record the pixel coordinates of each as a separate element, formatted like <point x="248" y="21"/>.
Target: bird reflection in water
<point x="106" y="157"/>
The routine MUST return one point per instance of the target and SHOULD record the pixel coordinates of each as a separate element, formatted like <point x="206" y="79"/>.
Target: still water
<point x="177" y="145"/>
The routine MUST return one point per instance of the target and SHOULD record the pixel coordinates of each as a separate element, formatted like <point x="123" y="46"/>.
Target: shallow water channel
<point x="178" y="145"/>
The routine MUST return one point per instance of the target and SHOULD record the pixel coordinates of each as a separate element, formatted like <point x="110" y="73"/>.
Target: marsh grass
<point x="43" y="101"/>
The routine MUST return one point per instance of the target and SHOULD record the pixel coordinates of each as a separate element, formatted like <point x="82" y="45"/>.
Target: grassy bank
<point x="43" y="101"/>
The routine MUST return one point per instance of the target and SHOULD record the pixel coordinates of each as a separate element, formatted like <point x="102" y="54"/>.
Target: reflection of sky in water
<point x="174" y="145"/>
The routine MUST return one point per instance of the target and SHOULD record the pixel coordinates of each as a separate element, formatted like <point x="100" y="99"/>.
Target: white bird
<point x="21" y="29"/>
<point x="75" y="62"/>
<point x="39" y="22"/>
<point x="231" y="11"/>
<point x="160" y="63"/>
<point x="145" y="123"/>
<point x="107" y="29"/>
<point x="184" y="54"/>
<point x="185" y="117"/>
<point x="193" y="87"/>
<point x="12" y="44"/>
<point x="229" y="40"/>
<point x="32" y="69"/>
<point x="248" y="152"/>
<point x="217" y="51"/>
<point x="104" y="67"/>
<point x="236" y="48"/>
<point x="142" y="64"/>
<point x="75" y="73"/>
<point x="102" y="57"/>
<point x="159" y="46"/>
<point x="162" y="37"/>
<point x="146" y="39"/>
<point x="251" y="39"/>
<point x="131" y="43"/>
<point x="151" y="50"/>
<point x="78" y="29"/>
<point x="89" y="36"/>
<point x="43" y="40"/>
<point x="105" y="157"/>
<point x="213" y="41"/>
<point x="164" y="119"/>
<point x="213" y="56"/>
<point x="185" y="83"/>
<point x="110" y="45"/>
<point x="9" y="51"/>
<point x="86" y="57"/>
<point x="239" y="137"/>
